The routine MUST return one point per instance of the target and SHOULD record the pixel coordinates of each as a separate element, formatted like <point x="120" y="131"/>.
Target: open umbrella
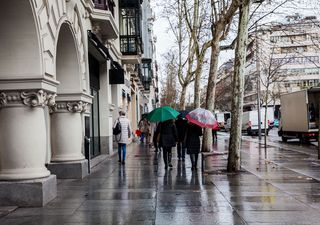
<point x="202" y="118"/>
<point x="183" y="113"/>
<point x="162" y="114"/>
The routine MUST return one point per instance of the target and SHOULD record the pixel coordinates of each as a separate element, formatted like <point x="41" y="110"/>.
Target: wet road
<point x="276" y="186"/>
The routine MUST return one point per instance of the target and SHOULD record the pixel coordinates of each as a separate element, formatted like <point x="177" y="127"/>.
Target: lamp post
<point x="258" y="80"/>
<point x="258" y="75"/>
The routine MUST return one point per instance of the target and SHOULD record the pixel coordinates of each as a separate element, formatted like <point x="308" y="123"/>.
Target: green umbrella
<point x="162" y="114"/>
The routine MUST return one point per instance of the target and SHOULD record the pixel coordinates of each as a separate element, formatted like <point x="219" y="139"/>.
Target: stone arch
<point x="67" y="61"/>
<point x="20" y="51"/>
<point x="50" y="16"/>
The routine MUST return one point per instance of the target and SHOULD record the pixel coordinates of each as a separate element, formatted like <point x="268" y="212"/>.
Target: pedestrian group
<point x="163" y="136"/>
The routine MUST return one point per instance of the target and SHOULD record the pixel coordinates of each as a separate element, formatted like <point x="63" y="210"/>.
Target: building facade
<point x="66" y="69"/>
<point x="285" y="56"/>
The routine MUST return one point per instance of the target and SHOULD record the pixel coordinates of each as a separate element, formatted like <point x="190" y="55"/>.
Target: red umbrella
<point x="203" y="118"/>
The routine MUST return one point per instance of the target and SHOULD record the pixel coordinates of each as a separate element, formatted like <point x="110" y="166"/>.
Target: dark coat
<point x="192" y="139"/>
<point x="181" y="125"/>
<point x="168" y="134"/>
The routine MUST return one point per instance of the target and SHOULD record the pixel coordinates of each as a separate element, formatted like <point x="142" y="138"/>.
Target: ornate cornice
<point x="69" y="106"/>
<point x="34" y="98"/>
<point x="3" y="100"/>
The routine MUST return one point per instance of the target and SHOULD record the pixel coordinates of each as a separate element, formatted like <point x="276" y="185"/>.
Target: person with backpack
<point x="122" y="132"/>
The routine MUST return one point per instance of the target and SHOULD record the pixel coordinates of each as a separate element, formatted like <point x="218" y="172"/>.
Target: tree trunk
<point x="215" y="50"/>
<point x="197" y="91"/>
<point x="319" y="131"/>
<point x="238" y="89"/>
<point x="182" y="105"/>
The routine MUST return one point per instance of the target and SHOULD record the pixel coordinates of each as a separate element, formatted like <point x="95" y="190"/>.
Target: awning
<point x="116" y="72"/>
<point x="97" y="48"/>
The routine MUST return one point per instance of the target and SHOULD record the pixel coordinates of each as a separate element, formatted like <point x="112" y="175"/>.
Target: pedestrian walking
<point x="144" y="127"/>
<point x="181" y="125"/>
<point x="123" y="137"/>
<point x="214" y="135"/>
<point x="192" y="142"/>
<point x="156" y="136"/>
<point x="168" y="139"/>
<point x="147" y="131"/>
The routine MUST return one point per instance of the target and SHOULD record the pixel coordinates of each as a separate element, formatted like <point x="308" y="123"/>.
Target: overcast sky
<point x="165" y="40"/>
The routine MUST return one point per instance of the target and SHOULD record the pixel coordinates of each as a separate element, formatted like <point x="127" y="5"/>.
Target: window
<point x="129" y="30"/>
<point x="146" y="67"/>
<point x="128" y="22"/>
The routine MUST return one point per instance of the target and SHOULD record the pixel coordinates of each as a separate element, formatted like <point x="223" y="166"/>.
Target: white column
<point x="23" y="134"/>
<point x="67" y="131"/>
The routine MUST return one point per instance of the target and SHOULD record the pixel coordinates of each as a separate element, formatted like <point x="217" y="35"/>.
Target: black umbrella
<point x="183" y="113"/>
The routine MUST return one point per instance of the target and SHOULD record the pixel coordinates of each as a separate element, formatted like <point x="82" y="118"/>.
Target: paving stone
<point x="273" y="190"/>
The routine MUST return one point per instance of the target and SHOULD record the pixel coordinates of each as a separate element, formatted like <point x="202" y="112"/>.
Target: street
<point x="278" y="184"/>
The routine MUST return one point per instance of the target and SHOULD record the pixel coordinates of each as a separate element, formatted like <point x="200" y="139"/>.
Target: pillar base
<point x="69" y="170"/>
<point x="28" y="193"/>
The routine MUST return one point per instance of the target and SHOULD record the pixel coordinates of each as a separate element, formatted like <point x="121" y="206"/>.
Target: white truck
<point x="300" y="115"/>
<point x="250" y="122"/>
<point x="222" y="118"/>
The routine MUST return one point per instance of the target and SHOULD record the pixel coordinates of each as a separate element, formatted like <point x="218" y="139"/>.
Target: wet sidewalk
<point x="277" y="186"/>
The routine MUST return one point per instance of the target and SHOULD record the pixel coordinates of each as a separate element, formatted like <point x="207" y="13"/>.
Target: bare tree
<point x="169" y="93"/>
<point x="222" y="15"/>
<point x="199" y="28"/>
<point x="238" y="89"/>
<point x="176" y="12"/>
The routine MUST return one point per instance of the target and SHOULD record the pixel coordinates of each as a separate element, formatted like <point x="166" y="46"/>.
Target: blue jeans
<point x="122" y="147"/>
<point x="142" y="137"/>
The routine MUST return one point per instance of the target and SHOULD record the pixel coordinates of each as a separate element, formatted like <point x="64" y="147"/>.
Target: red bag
<point x="138" y="133"/>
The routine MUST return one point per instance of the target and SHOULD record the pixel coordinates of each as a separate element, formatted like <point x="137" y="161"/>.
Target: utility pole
<point x="258" y="83"/>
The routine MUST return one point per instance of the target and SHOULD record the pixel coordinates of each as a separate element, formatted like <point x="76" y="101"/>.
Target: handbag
<point x="117" y="128"/>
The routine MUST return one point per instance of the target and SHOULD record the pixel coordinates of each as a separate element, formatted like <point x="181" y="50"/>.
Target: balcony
<point x="102" y="17"/>
<point x="105" y="5"/>
<point x="130" y="47"/>
<point x="146" y="83"/>
<point x="130" y="31"/>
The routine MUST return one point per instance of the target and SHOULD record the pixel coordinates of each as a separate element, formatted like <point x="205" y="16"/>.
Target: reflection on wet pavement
<point x="276" y="186"/>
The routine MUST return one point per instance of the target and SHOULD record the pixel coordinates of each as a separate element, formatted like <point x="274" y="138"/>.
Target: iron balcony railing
<point x="131" y="45"/>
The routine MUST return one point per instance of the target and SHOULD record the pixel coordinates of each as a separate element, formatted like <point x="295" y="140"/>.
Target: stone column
<point x="23" y="134"/>
<point x="23" y="175"/>
<point x="67" y="140"/>
<point x="66" y="131"/>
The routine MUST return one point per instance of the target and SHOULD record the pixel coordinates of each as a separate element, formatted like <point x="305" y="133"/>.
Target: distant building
<point x="289" y="51"/>
<point x="224" y="88"/>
